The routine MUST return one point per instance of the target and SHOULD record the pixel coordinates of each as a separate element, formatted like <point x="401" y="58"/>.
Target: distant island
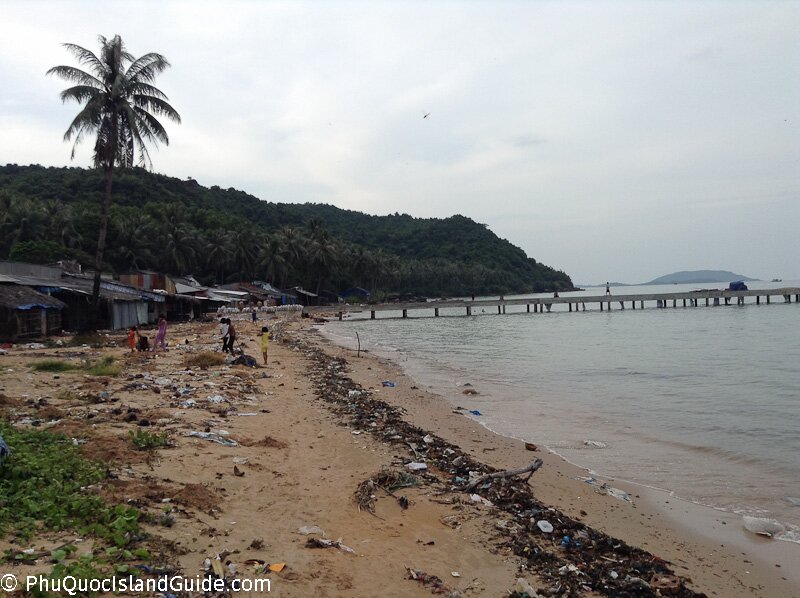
<point x="684" y="277"/>
<point x="699" y="276"/>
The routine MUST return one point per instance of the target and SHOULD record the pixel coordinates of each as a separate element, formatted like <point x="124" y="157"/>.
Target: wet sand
<point x="304" y="464"/>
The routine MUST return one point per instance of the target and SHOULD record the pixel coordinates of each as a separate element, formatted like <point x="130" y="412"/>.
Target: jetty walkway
<point x="574" y="303"/>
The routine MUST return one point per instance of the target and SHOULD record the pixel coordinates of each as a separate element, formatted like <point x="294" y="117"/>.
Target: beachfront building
<point x="26" y="313"/>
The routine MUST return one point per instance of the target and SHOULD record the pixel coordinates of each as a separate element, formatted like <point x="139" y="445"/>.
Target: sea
<point x="702" y="402"/>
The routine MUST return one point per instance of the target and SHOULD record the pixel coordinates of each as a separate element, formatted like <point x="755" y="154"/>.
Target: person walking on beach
<point x="161" y="335"/>
<point x="223" y="333"/>
<point x="608" y="290"/>
<point x="264" y="342"/>
<point x="132" y="338"/>
<point x="231" y="336"/>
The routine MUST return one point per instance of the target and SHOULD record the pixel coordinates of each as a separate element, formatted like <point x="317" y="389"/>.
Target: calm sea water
<point x="703" y="401"/>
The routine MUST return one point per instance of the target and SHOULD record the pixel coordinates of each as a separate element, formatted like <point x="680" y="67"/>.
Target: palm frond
<point x="75" y="75"/>
<point x="141" y="88"/>
<point x="156" y="128"/>
<point x="88" y="58"/>
<point x="156" y="106"/>
<point x="79" y="93"/>
<point x="145" y="68"/>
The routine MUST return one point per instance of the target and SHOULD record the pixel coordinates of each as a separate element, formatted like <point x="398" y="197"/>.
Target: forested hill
<point x="219" y="235"/>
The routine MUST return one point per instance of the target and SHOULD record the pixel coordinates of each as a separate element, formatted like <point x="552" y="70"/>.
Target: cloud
<point x="628" y="126"/>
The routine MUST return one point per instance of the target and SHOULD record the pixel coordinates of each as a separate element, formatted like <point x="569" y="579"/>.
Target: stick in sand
<point x="529" y="469"/>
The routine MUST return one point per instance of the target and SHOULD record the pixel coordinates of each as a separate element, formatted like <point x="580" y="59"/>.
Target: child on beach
<point x="264" y="342"/>
<point x="132" y="338"/>
<point x="161" y="335"/>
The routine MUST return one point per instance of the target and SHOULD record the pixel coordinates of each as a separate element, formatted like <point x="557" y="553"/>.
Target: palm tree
<point x="217" y="250"/>
<point x="120" y="106"/>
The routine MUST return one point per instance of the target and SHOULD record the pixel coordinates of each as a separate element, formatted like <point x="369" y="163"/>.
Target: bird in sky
<point x="426" y="115"/>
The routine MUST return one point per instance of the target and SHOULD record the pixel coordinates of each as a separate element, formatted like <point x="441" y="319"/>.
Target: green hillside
<point x="181" y="227"/>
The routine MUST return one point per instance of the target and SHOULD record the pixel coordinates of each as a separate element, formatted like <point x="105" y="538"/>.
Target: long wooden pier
<point x="575" y="303"/>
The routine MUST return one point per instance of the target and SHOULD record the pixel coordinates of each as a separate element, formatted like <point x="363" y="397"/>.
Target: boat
<point x="777" y="280"/>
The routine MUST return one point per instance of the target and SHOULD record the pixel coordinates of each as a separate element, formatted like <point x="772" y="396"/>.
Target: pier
<point x="575" y="303"/>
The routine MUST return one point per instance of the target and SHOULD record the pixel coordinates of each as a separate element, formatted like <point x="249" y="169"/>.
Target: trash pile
<point x="569" y="557"/>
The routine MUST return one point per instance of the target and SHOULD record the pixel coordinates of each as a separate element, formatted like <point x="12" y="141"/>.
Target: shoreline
<point x="714" y="532"/>
<point x="305" y="453"/>
<point x="449" y="393"/>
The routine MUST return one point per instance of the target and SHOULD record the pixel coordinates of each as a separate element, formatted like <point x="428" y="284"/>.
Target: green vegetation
<point x="54" y="365"/>
<point x="223" y="235"/>
<point x="104" y="367"/>
<point x="204" y="360"/>
<point x="41" y="486"/>
<point x="148" y="441"/>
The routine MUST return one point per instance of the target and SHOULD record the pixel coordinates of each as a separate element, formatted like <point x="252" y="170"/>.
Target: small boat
<point x="777" y="280"/>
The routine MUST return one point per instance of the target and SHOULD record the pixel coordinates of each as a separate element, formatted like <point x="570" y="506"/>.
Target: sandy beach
<point x="291" y="446"/>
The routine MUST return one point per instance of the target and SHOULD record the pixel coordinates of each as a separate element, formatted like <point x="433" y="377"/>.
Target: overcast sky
<point x="612" y="140"/>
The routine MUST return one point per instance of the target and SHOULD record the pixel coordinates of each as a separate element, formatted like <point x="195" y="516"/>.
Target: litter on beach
<point x="388" y="383"/>
<point x="603" y="487"/>
<point x="213" y="438"/>
<point x="307" y="530"/>
<point x="322" y="543"/>
<point x="476" y="498"/>
<point x="545" y="526"/>
<point x="763" y="526"/>
<point x="594" y="444"/>
<point x="475" y="412"/>
<point x="416" y="466"/>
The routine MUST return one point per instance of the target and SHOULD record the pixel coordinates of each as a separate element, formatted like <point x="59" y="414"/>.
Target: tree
<point x="120" y="106"/>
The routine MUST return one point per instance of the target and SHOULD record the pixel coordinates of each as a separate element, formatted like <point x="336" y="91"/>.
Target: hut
<point x="25" y="313"/>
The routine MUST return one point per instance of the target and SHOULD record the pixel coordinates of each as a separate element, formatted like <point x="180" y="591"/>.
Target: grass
<point x="205" y="360"/>
<point x="54" y="365"/>
<point x="148" y="441"/>
<point x="104" y="367"/>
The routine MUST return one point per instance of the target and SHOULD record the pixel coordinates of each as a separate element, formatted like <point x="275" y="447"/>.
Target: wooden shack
<point x="26" y="313"/>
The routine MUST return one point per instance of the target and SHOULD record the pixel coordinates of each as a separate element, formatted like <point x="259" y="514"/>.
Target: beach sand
<point x="305" y="459"/>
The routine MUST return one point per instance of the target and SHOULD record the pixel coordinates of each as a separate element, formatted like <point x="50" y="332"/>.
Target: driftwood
<point x="529" y="469"/>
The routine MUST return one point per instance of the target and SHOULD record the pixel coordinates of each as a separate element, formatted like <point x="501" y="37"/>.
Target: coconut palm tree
<point x="119" y="106"/>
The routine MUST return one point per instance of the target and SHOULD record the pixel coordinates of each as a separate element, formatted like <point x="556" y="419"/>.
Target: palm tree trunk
<point x="101" y="248"/>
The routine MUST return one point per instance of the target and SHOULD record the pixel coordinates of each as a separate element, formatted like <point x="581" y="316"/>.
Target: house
<point x="26" y="313"/>
<point x="121" y="305"/>
<point x="148" y="280"/>
<point x="306" y="297"/>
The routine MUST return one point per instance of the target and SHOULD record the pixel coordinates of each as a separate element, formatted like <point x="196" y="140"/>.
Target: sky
<point x="612" y="140"/>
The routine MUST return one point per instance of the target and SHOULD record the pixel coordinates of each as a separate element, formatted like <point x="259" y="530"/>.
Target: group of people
<point x="227" y="333"/>
<point x="139" y="342"/>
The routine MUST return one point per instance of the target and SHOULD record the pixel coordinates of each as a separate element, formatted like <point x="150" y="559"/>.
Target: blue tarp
<point x="34" y="305"/>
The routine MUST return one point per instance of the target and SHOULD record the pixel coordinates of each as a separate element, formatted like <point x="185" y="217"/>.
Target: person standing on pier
<point x="608" y="290"/>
